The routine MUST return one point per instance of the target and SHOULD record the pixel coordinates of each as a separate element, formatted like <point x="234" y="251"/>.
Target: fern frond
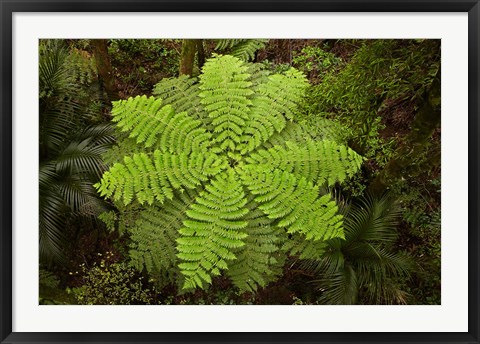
<point x="125" y="146"/>
<point x="257" y="262"/>
<point x="153" y="237"/>
<point x="243" y="49"/>
<point x="293" y="132"/>
<point x="182" y="94"/>
<point x="297" y="246"/>
<point x="214" y="230"/>
<point x="150" y="178"/>
<point x="223" y="44"/>
<point x="325" y="129"/>
<point x="318" y="161"/>
<point x="151" y="123"/>
<point x="109" y="218"/>
<point x="294" y="201"/>
<point x="224" y="92"/>
<point x="281" y="95"/>
<point x="258" y="74"/>
<point x="275" y="101"/>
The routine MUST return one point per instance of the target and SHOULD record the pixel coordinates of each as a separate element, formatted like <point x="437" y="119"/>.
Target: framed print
<point x="265" y="171"/>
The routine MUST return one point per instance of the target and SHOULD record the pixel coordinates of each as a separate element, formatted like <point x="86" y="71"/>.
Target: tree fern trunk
<point x="425" y="123"/>
<point x="104" y="67"/>
<point x="189" y="47"/>
<point x="201" y="53"/>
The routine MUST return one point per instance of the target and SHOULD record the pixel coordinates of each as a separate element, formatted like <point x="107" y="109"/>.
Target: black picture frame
<point x="8" y="7"/>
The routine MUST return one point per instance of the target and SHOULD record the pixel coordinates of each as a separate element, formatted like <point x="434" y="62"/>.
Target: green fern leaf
<point x="154" y="177"/>
<point x="275" y="101"/>
<point x="225" y="91"/>
<point x="294" y="201"/>
<point x="319" y="162"/>
<point x="299" y="247"/>
<point x="258" y="261"/>
<point x="182" y="94"/>
<point x="208" y="239"/>
<point x="243" y="49"/>
<point x="326" y="129"/>
<point x="153" y="237"/>
<point x="150" y="123"/>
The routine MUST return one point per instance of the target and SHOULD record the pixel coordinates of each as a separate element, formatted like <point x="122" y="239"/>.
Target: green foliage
<point x="377" y="70"/>
<point x="146" y="119"/>
<point x="213" y="230"/>
<point x="111" y="283"/>
<point x="422" y="218"/>
<point x="48" y="279"/>
<point x="363" y="268"/>
<point x="140" y="63"/>
<point x="248" y="193"/>
<point x="181" y="93"/>
<point x="154" y="236"/>
<point x="243" y="49"/>
<point x="70" y="146"/>
<point x="315" y="61"/>
<point x="320" y="162"/>
<point x="380" y="70"/>
<point x="50" y="291"/>
<point x="259" y="261"/>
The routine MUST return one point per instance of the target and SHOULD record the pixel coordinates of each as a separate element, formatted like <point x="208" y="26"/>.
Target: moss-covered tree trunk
<point x="104" y="68"/>
<point x="426" y="121"/>
<point x="187" y="58"/>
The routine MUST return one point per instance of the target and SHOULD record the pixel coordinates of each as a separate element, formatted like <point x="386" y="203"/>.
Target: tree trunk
<point x="424" y="124"/>
<point x="283" y="51"/>
<point x="200" y="53"/>
<point x="104" y="68"/>
<point x="189" y="47"/>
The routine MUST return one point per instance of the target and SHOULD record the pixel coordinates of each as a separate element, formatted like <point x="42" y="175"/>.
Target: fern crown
<point x="224" y="173"/>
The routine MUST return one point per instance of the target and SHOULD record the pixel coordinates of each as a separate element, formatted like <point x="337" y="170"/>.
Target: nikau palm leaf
<point x="251" y="190"/>
<point x="362" y="267"/>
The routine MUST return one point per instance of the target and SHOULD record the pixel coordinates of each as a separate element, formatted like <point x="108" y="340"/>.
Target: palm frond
<point x="52" y="224"/>
<point x="70" y="157"/>
<point x="340" y="288"/>
<point x="365" y="257"/>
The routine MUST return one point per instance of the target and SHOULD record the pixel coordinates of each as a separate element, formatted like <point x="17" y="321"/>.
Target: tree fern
<point x="257" y="175"/>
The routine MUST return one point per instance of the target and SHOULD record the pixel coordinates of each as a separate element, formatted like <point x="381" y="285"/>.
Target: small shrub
<point x="115" y="283"/>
